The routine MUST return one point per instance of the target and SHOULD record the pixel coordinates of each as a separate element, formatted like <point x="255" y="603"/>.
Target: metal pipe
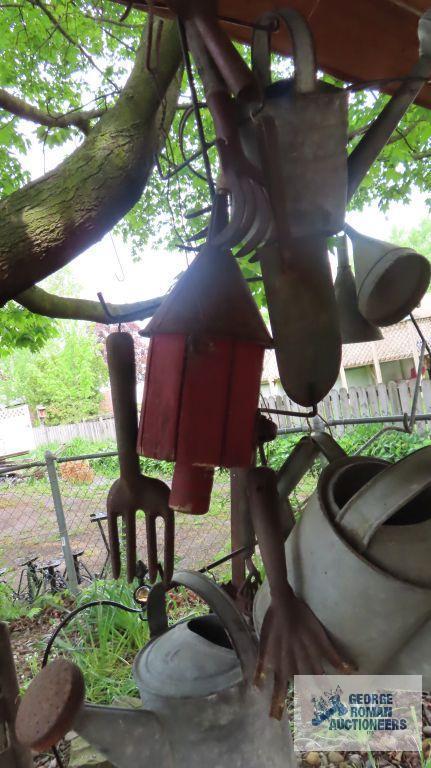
<point x="14" y="467"/>
<point x="84" y="456"/>
<point x="72" y="581"/>
<point x="413" y="414"/>
<point x="369" y="148"/>
<point x="351" y="422"/>
<point x="419" y="330"/>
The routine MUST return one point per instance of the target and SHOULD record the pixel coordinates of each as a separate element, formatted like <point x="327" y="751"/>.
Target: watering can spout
<point x="125" y="736"/>
<point x="54" y="704"/>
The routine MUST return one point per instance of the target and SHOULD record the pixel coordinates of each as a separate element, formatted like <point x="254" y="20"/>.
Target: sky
<point x="108" y="267"/>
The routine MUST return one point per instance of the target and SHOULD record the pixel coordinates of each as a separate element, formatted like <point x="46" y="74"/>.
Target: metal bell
<point x="353" y="326"/>
<point x="390" y="280"/>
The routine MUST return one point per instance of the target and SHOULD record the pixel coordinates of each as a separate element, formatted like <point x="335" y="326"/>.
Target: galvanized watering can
<point x="310" y="121"/>
<point x="356" y="557"/>
<point x="195" y="681"/>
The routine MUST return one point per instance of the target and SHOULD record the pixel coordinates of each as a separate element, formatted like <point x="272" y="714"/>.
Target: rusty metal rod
<point x="224" y="559"/>
<point x="195" y="101"/>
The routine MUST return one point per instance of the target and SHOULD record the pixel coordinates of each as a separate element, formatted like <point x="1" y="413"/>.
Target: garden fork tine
<point x="169" y="535"/>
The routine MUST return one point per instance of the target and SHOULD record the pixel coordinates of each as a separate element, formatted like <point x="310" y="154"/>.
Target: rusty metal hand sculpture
<point x="133" y="491"/>
<point x="292" y="640"/>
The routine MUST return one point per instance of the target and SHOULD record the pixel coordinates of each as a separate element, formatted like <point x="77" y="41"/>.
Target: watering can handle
<point x="303" y="49"/>
<point x="222" y="605"/>
<point x="383" y="496"/>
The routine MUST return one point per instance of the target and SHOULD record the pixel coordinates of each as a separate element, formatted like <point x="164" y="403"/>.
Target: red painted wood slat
<point x="162" y="395"/>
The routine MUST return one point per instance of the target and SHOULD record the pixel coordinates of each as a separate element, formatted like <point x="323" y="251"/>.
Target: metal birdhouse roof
<point x="357" y="41"/>
<point x="211" y="298"/>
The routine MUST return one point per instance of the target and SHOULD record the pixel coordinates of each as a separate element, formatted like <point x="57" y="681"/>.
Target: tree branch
<point x="107" y="20"/>
<point x="69" y="38"/>
<point x="41" y="302"/>
<point x="50" y="221"/>
<point x="78" y="118"/>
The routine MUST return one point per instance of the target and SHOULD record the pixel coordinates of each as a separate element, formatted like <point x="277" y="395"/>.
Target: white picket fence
<point x="95" y="430"/>
<point x="378" y="400"/>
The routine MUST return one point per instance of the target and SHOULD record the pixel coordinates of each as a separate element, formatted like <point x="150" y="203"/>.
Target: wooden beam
<point x="356" y="41"/>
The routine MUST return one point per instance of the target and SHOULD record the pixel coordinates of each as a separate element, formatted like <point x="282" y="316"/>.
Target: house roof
<point x="211" y="297"/>
<point x="355" y="41"/>
<point x="397" y="344"/>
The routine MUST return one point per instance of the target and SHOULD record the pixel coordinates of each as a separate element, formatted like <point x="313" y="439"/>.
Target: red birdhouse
<point x="203" y="377"/>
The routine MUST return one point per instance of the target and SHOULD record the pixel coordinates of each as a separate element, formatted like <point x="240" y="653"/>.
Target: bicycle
<point x="83" y="574"/>
<point x="39" y="579"/>
<point x="29" y="574"/>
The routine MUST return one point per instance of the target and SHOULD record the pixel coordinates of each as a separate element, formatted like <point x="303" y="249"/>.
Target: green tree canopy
<point x="80" y="77"/>
<point x="65" y="376"/>
<point x="418" y="237"/>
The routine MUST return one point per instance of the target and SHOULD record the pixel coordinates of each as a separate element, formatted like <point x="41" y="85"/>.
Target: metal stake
<point x="61" y="522"/>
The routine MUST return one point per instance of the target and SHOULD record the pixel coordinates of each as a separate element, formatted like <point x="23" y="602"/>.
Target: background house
<point x="394" y="358"/>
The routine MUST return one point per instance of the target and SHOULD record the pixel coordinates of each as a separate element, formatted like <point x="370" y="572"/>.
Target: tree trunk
<point x="50" y="221"/>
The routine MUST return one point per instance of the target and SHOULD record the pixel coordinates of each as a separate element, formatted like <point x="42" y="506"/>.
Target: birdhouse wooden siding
<point x="203" y="378"/>
<point x="203" y="410"/>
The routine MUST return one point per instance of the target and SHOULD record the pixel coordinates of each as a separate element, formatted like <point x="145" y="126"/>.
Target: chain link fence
<point x="30" y="523"/>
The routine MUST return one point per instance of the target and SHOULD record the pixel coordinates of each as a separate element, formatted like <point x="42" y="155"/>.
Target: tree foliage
<point x="65" y="376"/>
<point x="68" y="60"/>
<point x="418" y="237"/>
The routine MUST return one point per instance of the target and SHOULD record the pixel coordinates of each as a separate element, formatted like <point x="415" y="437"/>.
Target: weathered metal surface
<point x="250" y="220"/>
<point x="12" y="754"/>
<point x="309" y="135"/>
<point x="355" y="599"/>
<point x="227" y="59"/>
<point x="201" y="706"/>
<point x="50" y="705"/>
<point x="212" y="298"/>
<point x="133" y="491"/>
<point x="391" y="281"/>
<point x="304" y="317"/>
<point x="399" y="496"/>
<point x="353" y="326"/>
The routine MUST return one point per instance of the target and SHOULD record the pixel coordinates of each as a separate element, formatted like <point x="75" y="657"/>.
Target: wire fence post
<point x="72" y="580"/>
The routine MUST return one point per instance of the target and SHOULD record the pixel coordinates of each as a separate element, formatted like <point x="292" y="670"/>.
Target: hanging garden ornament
<point x="353" y="326"/>
<point x="203" y="375"/>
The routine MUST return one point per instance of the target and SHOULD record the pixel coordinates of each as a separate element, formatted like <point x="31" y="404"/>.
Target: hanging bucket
<point x="310" y="119"/>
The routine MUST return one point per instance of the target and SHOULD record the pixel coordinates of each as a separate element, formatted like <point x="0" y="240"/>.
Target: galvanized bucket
<point x="310" y="119"/>
<point x="381" y="620"/>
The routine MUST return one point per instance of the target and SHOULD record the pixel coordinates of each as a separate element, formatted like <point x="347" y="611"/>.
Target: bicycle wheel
<point x="33" y="584"/>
